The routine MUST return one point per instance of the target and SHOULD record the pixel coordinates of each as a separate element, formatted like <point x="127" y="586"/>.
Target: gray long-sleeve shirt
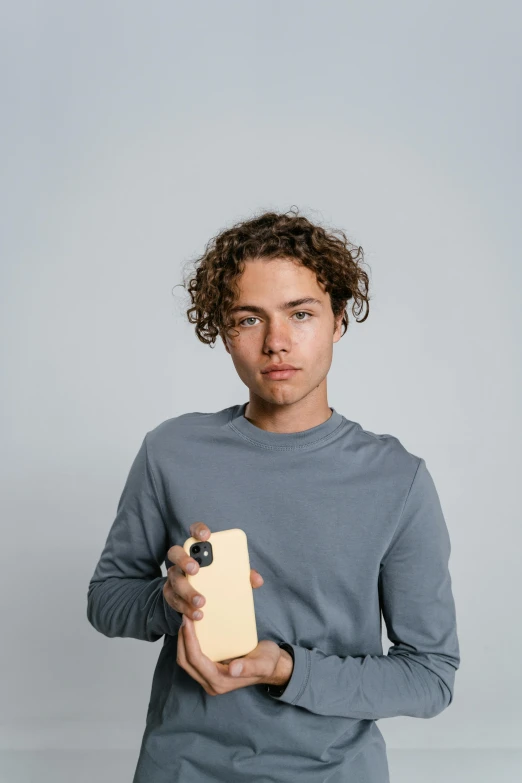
<point x="342" y="524"/>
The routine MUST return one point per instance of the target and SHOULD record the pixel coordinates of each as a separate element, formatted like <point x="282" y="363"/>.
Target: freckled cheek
<point x="245" y="353"/>
<point x="311" y="337"/>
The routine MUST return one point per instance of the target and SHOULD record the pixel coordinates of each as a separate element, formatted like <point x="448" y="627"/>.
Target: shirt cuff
<point x="172" y="616"/>
<point x="299" y="677"/>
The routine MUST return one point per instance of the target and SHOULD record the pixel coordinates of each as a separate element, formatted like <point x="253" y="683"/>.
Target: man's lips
<point x="281" y="366"/>
<point x="277" y="375"/>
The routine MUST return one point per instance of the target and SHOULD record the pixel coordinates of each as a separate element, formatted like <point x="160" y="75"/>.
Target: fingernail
<point x="236" y="669"/>
<point x="183" y="620"/>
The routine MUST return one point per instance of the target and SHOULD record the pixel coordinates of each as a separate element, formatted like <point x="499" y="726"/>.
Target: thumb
<point x="258" y="662"/>
<point x="236" y="668"/>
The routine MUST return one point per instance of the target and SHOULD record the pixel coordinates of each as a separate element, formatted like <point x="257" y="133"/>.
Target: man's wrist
<point x="283" y="671"/>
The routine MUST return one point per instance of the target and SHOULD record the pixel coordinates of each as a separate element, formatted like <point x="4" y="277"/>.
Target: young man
<point x="342" y="525"/>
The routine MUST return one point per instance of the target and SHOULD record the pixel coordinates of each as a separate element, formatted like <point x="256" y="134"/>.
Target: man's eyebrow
<point x="305" y="300"/>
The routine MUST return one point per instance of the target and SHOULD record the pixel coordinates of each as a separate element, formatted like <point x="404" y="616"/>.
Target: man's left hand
<point x="259" y="666"/>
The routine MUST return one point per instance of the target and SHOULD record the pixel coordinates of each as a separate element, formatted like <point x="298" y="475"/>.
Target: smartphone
<point x="228" y="627"/>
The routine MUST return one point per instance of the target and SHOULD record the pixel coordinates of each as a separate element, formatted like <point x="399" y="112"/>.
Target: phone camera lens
<point x="196" y="548"/>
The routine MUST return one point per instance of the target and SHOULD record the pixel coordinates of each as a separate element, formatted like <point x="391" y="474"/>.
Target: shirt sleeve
<point x="416" y="677"/>
<point x="125" y="594"/>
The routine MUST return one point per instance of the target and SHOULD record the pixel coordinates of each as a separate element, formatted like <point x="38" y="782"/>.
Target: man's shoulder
<point x="383" y="448"/>
<point x="186" y="425"/>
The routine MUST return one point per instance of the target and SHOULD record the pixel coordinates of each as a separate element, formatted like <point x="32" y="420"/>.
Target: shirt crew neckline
<point x="284" y="440"/>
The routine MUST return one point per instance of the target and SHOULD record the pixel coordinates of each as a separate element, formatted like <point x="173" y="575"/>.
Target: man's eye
<point x="255" y="318"/>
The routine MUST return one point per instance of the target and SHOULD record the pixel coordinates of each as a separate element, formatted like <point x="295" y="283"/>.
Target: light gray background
<point x="131" y="134"/>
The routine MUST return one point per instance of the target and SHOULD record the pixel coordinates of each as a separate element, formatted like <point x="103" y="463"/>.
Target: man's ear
<point x="338" y="323"/>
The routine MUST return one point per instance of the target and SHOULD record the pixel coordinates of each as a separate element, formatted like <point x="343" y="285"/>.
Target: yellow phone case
<point x="228" y="626"/>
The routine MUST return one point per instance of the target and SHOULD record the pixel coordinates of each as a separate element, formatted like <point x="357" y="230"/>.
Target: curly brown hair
<point x="336" y="262"/>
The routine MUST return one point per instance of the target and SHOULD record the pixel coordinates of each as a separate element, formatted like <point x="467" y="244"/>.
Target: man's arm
<point x="125" y="595"/>
<point x="416" y="677"/>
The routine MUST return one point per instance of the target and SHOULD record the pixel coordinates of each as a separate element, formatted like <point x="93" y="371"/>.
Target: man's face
<point x="271" y="333"/>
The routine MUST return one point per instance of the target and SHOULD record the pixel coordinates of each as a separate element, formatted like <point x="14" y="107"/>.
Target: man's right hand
<point x="177" y="590"/>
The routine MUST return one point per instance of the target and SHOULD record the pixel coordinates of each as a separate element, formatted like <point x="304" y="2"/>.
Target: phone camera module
<point x="206" y="558"/>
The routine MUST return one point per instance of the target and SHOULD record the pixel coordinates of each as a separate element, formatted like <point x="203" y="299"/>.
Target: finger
<point x="183" y="661"/>
<point x="256" y="580"/>
<point x="209" y="671"/>
<point x="200" y="530"/>
<point x="194" y="673"/>
<point x="193" y="652"/>
<point x="177" y="556"/>
<point x="181" y="595"/>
